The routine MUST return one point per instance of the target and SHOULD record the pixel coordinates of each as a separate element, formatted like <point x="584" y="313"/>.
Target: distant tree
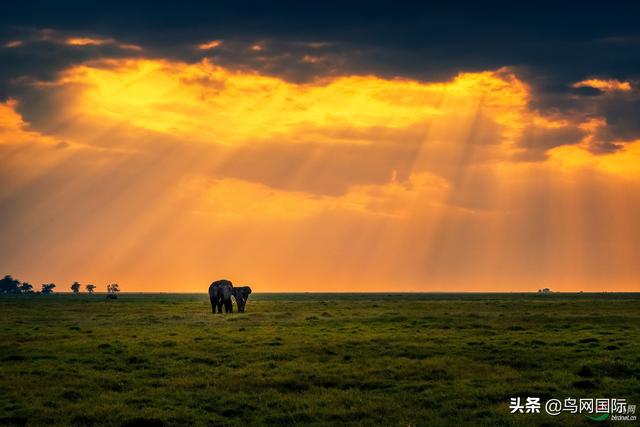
<point x="75" y="288"/>
<point x="90" y="288"/>
<point x="48" y="288"/>
<point x="112" y="291"/>
<point x="26" y="288"/>
<point x="9" y="285"/>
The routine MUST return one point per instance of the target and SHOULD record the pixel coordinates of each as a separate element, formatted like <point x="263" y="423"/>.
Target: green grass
<point x="324" y="359"/>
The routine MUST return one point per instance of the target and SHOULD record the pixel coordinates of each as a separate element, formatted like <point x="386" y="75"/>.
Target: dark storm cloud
<point x="535" y="141"/>
<point x="38" y="55"/>
<point x="622" y="114"/>
<point x="561" y="42"/>
<point x="550" y="46"/>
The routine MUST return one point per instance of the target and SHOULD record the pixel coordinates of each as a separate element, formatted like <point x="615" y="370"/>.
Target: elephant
<point x="241" y="294"/>
<point x="220" y="293"/>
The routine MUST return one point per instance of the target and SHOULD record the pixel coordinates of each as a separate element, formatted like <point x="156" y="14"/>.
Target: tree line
<point x="9" y="285"/>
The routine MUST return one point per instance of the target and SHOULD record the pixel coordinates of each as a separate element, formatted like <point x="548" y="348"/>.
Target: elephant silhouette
<point x="220" y="293"/>
<point x="241" y="294"/>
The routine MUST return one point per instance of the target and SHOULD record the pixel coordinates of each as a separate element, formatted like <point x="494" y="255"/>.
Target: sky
<point x="321" y="147"/>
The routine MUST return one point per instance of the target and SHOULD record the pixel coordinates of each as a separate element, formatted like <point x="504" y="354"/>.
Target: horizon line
<point x="366" y="292"/>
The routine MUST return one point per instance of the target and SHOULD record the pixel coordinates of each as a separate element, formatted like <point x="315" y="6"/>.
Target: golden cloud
<point x="87" y="41"/>
<point x="607" y="85"/>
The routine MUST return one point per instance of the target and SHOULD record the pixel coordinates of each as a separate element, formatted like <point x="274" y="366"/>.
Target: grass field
<point x="330" y="359"/>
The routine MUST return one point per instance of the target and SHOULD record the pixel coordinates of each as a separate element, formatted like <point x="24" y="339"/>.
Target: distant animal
<point x="220" y="293"/>
<point x="241" y="294"/>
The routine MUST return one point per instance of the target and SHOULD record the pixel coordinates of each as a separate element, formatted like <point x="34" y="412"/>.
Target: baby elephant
<point x="220" y="293"/>
<point x="241" y="294"/>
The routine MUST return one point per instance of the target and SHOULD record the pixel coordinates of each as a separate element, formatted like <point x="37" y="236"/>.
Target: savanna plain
<point x="319" y="359"/>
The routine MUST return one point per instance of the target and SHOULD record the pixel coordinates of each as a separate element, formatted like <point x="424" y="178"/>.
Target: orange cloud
<point x="210" y="45"/>
<point x="172" y="174"/>
<point x="14" y="130"/>
<point x="87" y="41"/>
<point x="624" y="162"/>
<point x="604" y="85"/>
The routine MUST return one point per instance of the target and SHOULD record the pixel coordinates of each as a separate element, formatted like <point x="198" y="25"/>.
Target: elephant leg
<point x="229" y="306"/>
<point x="213" y="304"/>
<point x="219" y="305"/>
